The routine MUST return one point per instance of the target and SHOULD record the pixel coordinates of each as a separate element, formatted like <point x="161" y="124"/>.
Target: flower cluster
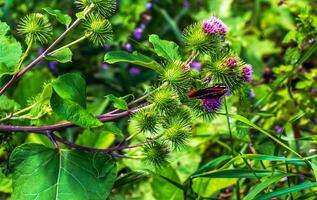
<point x="214" y="26"/>
<point x="189" y="89"/>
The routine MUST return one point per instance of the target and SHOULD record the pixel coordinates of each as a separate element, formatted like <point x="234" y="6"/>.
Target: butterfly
<point x="216" y="91"/>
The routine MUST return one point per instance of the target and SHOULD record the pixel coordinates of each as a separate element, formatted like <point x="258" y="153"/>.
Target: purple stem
<point x="91" y="149"/>
<point x="39" y="58"/>
<point x="58" y="126"/>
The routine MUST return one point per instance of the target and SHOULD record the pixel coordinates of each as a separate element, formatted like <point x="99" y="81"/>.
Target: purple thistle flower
<point x="40" y="50"/>
<point x="128" y="46"/>
<point x="232" y="62"/>
<point x="105" y="66"/>
<point x="134" y="71"/>
<point x="247" y="72"/>
<point x="149" y="6"/>
<point x="252" y="94"/>
<point x="196" y="65"/>
<point x="213" y="104"/>
<point x="107" y="47"/>
<point x="186" y="4"/>
<point x="278" y="129"/>
<point x="137" y="33"/>
<point x="214" y="26"/>
<point x="52" y="65"/>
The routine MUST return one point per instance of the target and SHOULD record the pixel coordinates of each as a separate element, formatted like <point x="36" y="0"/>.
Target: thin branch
<point x="91" y="149"/>
<point x="64" y="125"/>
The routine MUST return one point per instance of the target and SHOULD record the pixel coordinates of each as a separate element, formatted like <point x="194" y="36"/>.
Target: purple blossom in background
<point x="149" y="6"/>
<point x="247" y="72"/>
<point x="278" y="129"/>
<point x="252" y="94"/>
<point x="40" y="50"/>
<point x="212" y="105"/>
<point x="214" y="26"/>
<point x="107" y="47"/>
<point x="186" y="4"/>
<point x="196" y="65"/>
<point x="137" y="33"/>
<point x="232" y="63"/>
<point x="105" y="66"/>
<point x="127" y="46"/>
<point x="134" y="71"/>
<point x="52" y="65"/>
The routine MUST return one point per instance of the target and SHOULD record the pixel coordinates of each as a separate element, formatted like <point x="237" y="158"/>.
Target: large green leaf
<point x="268" y="182"/>
<point x="135" y="58"/>
<point x="71" y="87"/>
<point x="69" y="101"/>
<point x="73" y="112"/>
<point x="165" y="184"/>
<point x="166" y="49"/>
<point x="10" y="51"/>
<point x="43" y="173"/>
<point x="287" y="191"/>
<point x="61" y="17"/>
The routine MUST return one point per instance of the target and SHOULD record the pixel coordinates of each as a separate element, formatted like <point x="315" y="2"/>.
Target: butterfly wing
<point x="216" y="91"/>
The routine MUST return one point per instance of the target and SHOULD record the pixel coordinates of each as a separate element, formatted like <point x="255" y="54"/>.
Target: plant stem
<point x="229" y="126"/>
<point x="17" y="113"/>
<point x="25" y="54"/>
<point x="70" y="44"/>
<point x="91" y="149"/>
<point x="63" y="125"/>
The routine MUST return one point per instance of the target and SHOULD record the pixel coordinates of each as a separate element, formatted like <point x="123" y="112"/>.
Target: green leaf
<point x="30" y="86"/>
<point x="166" y="49"/>
<point x="287" y="190"/>
<point x="71" y="87"/>
<point x="10" y="51"/>
<point x="251" y="124"/>
<point x="236" y="173"/>
<point x="268" y="182"/>
<point x="100" y="137"/>
<point x="80" y="15"/>
<point x="131" y="177"/>
<point x="62" y="56"/>
<point x="8" y="105"/>
<point x="292" y="55"/>
<point x="165" y="184"/>
<point x="4" y="28"/>
<point x="69" y="100"/>
<point x="71" y="175"/>
<point x="118" y="102"/>
<point x="5" y="182"/>
<point x="212" y="164"/>
<point x="111" y="127"/>
<point x="73" y="112"/>
<point x="135" y="58"/>
<point x="61" y="17"/>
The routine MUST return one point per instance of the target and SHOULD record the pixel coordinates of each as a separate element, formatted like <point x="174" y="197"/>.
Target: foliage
<point x="142" y="99"/>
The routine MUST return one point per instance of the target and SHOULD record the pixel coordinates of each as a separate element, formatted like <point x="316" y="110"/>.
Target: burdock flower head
<point x="36" y="28"/>
<point x="232" y="63"/>
<point x="214" y="26"/>
<point x="247" y="72"/>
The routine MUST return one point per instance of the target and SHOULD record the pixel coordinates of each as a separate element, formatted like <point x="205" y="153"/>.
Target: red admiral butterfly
<point x="216" y="91"/>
